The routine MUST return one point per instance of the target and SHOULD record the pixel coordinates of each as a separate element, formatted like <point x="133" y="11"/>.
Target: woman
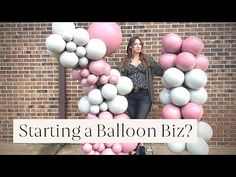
<point x="140" y="68"/>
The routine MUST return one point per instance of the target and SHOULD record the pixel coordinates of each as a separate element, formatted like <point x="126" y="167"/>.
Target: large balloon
<point x="61" y="27"/>
<point x="84" y="105"/>
<point x="96" y="49"/>
<point x="185" y="61"/>
<point x="198" y="148"/>
<point x="68" y="59"/>
<point x="109" y="91"/>
<point x="173" y="77"/>
<point x="165" y="96"/>
<point x="202" y="62"/>
<point x="172" y="43"/>
<point x="55" y="43"/>
<point x="128" y="147"/>
<point x="179" y="96"/>
<point x="167" y="60"/>
<point x="192" y="111"/>
<point x="195" y="79"/>
<point x="118" y="105"/>
<point x="204" y="130"/>
<point x="97" y="67"/>
<point x="81" y="36"/>
<point x="198" y="96"/>
<point x="124" y="85"/>
<point x="170" y="111"/>
<point x="193" y="45"/>
<point x="109" y="32"/>
<point x="176" y="147"/>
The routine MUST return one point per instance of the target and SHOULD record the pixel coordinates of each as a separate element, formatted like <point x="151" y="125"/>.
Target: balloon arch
<point x="85" y="52"/>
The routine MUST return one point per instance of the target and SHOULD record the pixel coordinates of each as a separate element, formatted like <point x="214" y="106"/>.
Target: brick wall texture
<point x="29" y="77"/>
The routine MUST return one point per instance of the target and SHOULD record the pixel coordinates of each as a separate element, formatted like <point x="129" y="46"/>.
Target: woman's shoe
<point x="141" y="150"/>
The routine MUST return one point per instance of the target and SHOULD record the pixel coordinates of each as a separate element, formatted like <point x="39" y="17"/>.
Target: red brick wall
<point x="29" y="76"/>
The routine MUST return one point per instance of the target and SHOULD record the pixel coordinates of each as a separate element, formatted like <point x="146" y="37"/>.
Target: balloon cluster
<point x="184" y="93"/>
<point x="85" y="52"/>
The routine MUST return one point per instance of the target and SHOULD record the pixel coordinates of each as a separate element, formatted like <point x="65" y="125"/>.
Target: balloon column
<point x="184" y="93"/>
<point x="85" y="52"/>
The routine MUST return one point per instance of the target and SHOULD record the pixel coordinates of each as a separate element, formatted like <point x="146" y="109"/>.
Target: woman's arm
<point x="155" y="67"/>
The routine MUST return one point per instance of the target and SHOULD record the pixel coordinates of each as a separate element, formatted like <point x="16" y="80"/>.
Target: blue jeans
<point x="139" y="104"/>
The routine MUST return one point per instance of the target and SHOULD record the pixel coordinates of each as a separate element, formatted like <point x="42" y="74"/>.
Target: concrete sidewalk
<point x="75" y="149"/>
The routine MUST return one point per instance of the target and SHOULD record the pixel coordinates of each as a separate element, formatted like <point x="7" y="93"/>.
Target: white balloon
<point x="95" y="97"/>
<point x="55" y="43"/>
<point x="94" y="109"/>
<point x="61" y="27"/>
<point x="124" y="85"/>
<point x="109" y="91"/>
<point x="198" y="148"/>
<point x="118" y="105"/>
<point x="176" y="147"/>
<point x="95" y="49"/>
<point x="173" y="77"/>
<point x="80" y="51"/>
<point x="115" y="72"/>
<point x="195" y="79"/>
<point x="67" y="36"/>
<point x="68" y="59"/>
<point x="179" y="96"/>
<point x="163" y="83"/>
<point x="83" y="61"/>
<point x="198" y="96"/>
<point x="84" y="105"/>
<point x="103" y="106"/>
<point x="71" y="46"/>
<point x="81" y="36"/>
<point x="165" y="96"/>
<point x="204" y="130"/>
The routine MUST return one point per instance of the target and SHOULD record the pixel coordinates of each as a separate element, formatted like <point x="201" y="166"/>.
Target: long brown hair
<point x="142" y="57"/>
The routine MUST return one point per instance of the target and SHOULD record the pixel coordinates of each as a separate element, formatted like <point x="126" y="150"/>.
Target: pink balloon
<point x="122" y="153"/>
<point x="202" y="62"/>
<point x="170" y="111"/>
<point x="84" y="72"/>
<point x="97" y="67"/>
<point x="101" y="147"/>
<point x="87" y="147"/>
<point x="97" y="153"/>
<point x="171" y="43"/>
<point x="192" y="111"/>
<point x="92" y="79"/>
<point x="109" y="145"/>
<point x="84" y="82"/>
<point x="91" y="116"/>
<point x="117" y="148"/>
<point x="185" y="61"/>
<point x="167" y="60"/>
<point x="113" y="79"/>
<point x="163" y="50"/>
<point x="96" y="146"/>
<point x="121" y="116"/>
<point x="109" y="32"/>
<point x="87" y="88"/>
<point x="193" y="45"/>
<point x="92" y="152"/>
<point x="128" y="147"/>
<point x="105" y="115"/>
<point x="75" y="73"/>
<point x="103" y="79"/>
<point x="108" y="151"/>
<point x="107" y="69"/>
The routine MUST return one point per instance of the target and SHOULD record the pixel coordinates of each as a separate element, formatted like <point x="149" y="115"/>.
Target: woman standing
<point x="140" y="68"/>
